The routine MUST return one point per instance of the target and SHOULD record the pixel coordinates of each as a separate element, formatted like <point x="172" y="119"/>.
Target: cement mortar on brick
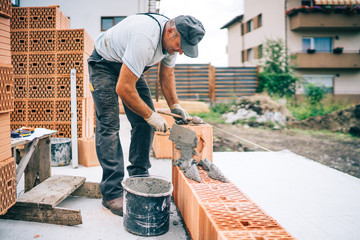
<point x="185" y="140"/>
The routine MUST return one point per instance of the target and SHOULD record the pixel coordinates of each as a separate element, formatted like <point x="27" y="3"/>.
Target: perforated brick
<point x="20" y="64"/>
<point x="20" y="19"/>
<point x="68" y="61"/>
<point x="219" y="193"/>
<point x="5" y="8"/>
<point x="41" y="64"/>
<point x="42" y="87"/>
<point x="64" y="130"/>
<point x="63" y="110"/>
<point x="21" y="87"/>
<point x="7" y="184"/>
<point x="17" y="125"/>
<point x="50" y="126"/>
<point x="19" y="113"/>
<point x="19" y="41"/>
<point x="63" y="88"/>
<point x="41" y="110"/>
<point x="240" y="216"/>
<point x="42" y="18"/>
<point x="256" y="235"/>
<point x="7" y="91"/>
<point x="70" y="40"/>
<point x="42" y="41"/>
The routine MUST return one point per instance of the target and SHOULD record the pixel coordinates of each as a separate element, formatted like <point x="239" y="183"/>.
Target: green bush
<point x="315" y="94"/>
<point x="276" y="75"/>
<point x="221" y="108"/>
<point x="280" y="84"/>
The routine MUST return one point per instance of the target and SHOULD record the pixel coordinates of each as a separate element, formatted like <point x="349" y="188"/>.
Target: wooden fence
<point x="208" y="83"/>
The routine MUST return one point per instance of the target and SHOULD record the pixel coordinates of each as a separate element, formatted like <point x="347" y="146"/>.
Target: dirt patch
<point x="337" y="151"/>
<point x="345" y="121"/>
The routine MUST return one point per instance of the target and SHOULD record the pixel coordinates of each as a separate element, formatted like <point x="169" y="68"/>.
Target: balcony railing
<point x="321" y="60"/>
<point x="324" y="21"/>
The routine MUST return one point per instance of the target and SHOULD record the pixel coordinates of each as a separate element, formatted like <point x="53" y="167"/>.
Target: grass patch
<point x="304" y="109"/>
<point x="336" y="135"/>
<point x="213" y="117"/>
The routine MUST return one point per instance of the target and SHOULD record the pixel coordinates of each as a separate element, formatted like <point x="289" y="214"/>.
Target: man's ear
<point x="170" y="31"/>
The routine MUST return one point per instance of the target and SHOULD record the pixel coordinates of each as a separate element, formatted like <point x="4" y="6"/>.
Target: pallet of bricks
<point x="7" y="163"/>
<point x="43" y="51"/>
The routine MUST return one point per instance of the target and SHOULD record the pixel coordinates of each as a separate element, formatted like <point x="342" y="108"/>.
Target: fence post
<point x="211" y="84"/>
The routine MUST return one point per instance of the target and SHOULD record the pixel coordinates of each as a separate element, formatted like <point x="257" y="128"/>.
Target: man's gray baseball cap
<point x="191" y="31"/>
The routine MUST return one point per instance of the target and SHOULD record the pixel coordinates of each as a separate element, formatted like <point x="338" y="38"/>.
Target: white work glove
<point x="157" y="122"/>
<point x="177" y="109"/>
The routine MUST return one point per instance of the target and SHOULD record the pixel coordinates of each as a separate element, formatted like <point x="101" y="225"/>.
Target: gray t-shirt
<point x="135" y="41"/>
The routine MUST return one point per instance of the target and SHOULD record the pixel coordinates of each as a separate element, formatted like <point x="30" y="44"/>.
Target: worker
<point x="122" y="54"/>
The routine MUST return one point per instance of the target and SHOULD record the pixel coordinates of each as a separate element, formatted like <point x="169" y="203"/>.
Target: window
<point x="250" y="26"/>
<point x="307" y="3"/>
<point x="250" y="54"/>
<point x="259" y="20"/>
<point x="320" y="44"/>
<point x="15" y="3"/>
<point x="108" y="22"/>
<point x="325" y="81"/>
<point x="242" y="56"/>
<point x="260" y="51"/>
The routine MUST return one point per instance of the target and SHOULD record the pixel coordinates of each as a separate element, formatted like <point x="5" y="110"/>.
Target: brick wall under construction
<point x="7" y="163"/>
<point x="43" y="51"/>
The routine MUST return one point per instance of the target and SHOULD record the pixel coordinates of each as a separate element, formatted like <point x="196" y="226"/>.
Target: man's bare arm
<point x="126" y="89"/>
<point x="167" y="83"/>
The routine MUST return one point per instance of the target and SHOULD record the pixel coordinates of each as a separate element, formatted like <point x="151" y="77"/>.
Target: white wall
<point x="273" y="25"/>
<point x="87" y="13"/>
<point x="234" y="45"/>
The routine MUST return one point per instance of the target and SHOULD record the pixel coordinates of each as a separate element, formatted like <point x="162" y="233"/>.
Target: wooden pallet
<point x="39" y="204"/>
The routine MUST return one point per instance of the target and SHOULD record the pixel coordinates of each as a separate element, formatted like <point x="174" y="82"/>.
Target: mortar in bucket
<point x="147" y="205"/>
<point x="60" y="151"/>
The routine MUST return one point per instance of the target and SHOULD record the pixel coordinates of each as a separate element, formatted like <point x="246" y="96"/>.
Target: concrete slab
<point x="310" y="200"/>
<point x="98" y="222"/>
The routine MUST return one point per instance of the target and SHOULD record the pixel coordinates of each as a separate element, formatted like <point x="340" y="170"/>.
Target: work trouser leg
<point x="141" y="134"/>
<point x="103" y="77"/>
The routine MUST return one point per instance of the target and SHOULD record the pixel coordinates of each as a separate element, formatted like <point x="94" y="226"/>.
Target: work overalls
<point x="103" y="78"/>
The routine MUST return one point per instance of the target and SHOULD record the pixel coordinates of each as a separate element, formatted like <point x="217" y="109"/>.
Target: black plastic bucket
<point x="147" y="205"/>
<point x="60" y="151"/>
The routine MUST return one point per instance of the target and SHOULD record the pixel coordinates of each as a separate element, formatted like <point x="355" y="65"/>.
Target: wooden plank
<point x="51" y="192"/>
<point x="88" y="189"/>
<point x="61" y="216"/>
<point x="38" y="168"/>
<point x="25" y="160"/>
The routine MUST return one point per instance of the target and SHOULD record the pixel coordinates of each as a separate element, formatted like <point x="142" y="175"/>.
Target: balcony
<point x="324" y="21"/>
<point x="345" y="60"/>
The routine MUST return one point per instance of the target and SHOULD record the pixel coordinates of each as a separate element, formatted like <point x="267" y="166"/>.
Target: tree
<point x="276" y="76"/>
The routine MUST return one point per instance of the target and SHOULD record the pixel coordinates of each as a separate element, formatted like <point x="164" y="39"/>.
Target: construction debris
<point x="258" y="110"/>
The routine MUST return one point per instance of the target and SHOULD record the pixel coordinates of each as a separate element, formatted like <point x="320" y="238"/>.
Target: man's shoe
<point x="115" y="205"/>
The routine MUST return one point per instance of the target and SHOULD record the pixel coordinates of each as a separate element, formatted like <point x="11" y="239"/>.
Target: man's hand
<point x="177" y="109"/>
<point x="157" y="122"/>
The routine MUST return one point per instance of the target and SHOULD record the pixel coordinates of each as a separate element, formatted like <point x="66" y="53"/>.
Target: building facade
<point x="94" y="15"/>
<point x="324" y="39"/>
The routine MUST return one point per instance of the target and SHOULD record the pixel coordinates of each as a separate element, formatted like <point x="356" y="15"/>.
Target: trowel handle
<point x="172" y="114"/>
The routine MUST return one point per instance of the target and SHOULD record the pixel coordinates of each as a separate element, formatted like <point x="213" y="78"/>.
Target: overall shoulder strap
<point x="157" y="14"/>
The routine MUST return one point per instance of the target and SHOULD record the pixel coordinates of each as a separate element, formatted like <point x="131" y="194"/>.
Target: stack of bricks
<point x="43" y="51"/>
<point x="7" y="163"/>
<point x="216" y="210"/>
